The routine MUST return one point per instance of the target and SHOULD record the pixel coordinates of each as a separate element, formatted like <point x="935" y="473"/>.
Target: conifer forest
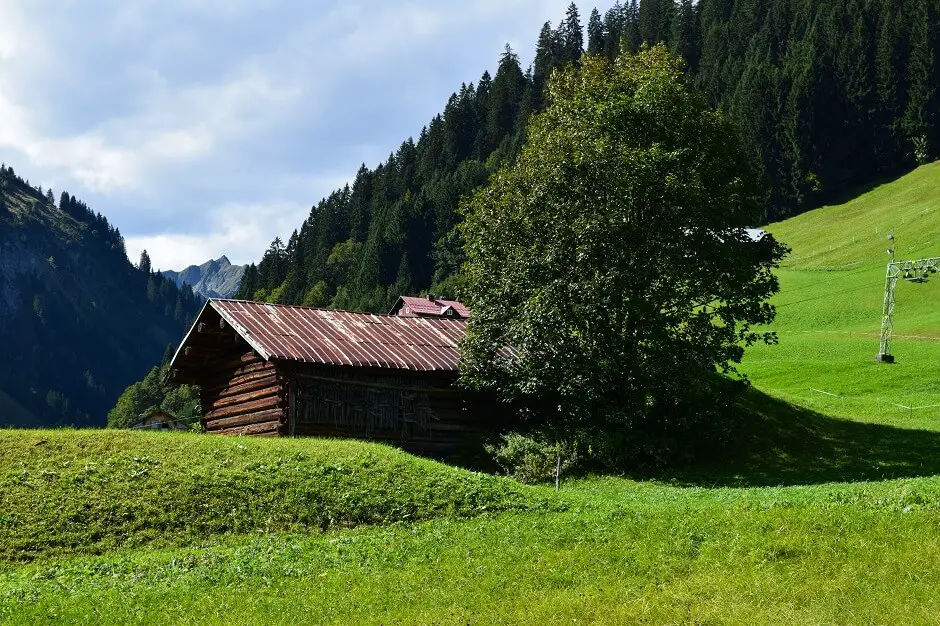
<point x="829" y="96"/>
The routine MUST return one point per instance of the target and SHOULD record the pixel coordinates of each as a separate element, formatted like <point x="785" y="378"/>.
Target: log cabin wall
<point x="243" y="395"/>
<point x="418" y="411"/>
<point x="273" y="370"/>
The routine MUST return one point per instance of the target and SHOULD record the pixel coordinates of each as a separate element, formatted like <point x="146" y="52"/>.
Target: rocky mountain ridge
<point x="213" y="279"/>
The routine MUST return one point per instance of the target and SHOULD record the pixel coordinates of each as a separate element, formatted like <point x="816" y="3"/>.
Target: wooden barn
<point x="277" y="370"/>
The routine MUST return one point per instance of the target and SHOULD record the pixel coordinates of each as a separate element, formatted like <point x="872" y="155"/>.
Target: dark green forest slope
<point x="829" y="95"/>
<point x="78" y="321"/>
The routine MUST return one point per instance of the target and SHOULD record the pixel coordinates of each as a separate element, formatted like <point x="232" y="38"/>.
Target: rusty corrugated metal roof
<point x="431" y="307"/>
<point x="340" y="338"/>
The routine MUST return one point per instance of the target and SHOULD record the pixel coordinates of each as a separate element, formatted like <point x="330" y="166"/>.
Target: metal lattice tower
<point x="913" y="271"/>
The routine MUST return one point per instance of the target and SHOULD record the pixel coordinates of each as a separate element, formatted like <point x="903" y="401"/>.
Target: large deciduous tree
<point x="613" y="257"/>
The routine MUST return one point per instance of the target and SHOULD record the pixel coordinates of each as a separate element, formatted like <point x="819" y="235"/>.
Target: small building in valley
<point x="278" y="370"/>
<point x="429" y="306"/>
<point x="159" y="420"/>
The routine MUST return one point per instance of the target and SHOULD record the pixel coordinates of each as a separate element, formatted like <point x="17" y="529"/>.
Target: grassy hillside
<point x="616" y="552"/>
<point x="815" y="520"/>
<point x="67" y="492"/>
<point x="829" y="308"/>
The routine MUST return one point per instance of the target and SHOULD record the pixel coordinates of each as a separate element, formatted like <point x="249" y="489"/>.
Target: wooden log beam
<point x="245" y="407"/>
<point x="249" y="358"/>
<point x="243" y="420"/>
<point x="217" y="373"/>
<point x="265" y="392"/>
<point x="207" y="355"/>
<point x="229" y="383"/>
<point x="262" y="429"/>
<point x="260" y="382"/>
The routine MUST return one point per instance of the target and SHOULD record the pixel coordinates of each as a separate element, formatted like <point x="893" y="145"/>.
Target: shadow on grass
<point x="782" y="444"/>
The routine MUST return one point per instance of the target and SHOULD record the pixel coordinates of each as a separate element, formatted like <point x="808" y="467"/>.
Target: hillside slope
<point x="89" y="491"/>
<point x="216" y="278"/>
<point x="78" y="322"/>
<point x="829" y="307"/>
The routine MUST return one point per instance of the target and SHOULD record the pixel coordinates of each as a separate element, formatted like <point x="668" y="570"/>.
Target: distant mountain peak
<point x="216" y="278"/>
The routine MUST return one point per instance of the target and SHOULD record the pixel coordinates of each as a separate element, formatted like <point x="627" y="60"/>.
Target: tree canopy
<point x="612" y="255"/>
<point x="152" y="394"/>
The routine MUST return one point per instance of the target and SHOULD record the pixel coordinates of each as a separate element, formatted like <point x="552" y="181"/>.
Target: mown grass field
<point x="829" y="308"/>
<point x="608" y="551"/>
<point x="828" y="512"/>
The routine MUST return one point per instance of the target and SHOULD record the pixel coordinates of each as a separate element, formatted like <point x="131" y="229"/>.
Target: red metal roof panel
<point x="340" y="338"/>
<point x="426" y="306"/>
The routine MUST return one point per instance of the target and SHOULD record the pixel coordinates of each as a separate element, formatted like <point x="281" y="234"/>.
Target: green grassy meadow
<point x="828" y="511"/>
<point x="829" y="308"/>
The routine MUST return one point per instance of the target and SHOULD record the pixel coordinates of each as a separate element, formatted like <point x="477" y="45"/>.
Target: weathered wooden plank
<point x="249" y="358"/>
<point x="241" y="398"/>
<point x="243" y="382"/>
<point x="445" y="391"/>
<point x="217" y="378"/>
<point x="450" y="427"/>
<point x="259" y="382"/>
<point x="245" y="407"/>
<point x="243" y="420"/>
<point x="264" y="428"/>
<point x="269" y="380"/>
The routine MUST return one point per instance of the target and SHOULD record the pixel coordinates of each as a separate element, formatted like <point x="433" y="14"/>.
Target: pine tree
<point x="546" y="59"/>
<point x="571" y="35"/>
<point x="683" y="39"/>
<point x="614" y="24"/>
<point x="595" y="29"/>
<point x="650" y="16"/>
<point x="505" y="97"/>
<point x="631" y="39"/>
<point x="144" y="264"/>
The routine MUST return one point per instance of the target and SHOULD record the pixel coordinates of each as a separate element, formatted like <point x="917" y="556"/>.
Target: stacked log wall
<point x="348" y="402"/>
<point x="244" y="395"/>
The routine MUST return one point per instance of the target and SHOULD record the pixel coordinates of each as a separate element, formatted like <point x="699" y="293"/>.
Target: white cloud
<point x="207" y="127"/>
<point x="242" y="233"/>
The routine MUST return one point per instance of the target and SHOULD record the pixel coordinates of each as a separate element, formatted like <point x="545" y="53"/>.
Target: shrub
<point x="531" y="458"/>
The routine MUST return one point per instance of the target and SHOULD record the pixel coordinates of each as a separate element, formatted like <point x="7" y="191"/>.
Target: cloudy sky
<point x="208" y="127"/>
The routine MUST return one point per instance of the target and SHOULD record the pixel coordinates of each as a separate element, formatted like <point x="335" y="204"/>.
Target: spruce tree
<point x="683" y="39"/>
<point x="650" y="16"/>
<point x="571" y="35"/>
<point x="891" y="81"/>
<point x="614" y="24"/>
<point x="144" y="264"/>
<point x="630" y="38"/>
<point x="547" y="53"/>
<point x="508" y="89"/>
<point x="595" y="29"/>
